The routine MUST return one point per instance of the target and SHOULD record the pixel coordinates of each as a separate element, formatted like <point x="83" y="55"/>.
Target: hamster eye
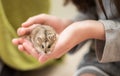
<point x="42" y="46"/>
<point x="49" y="46"/>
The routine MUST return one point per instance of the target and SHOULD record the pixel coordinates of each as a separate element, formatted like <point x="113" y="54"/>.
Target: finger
<point x="30" y="49"/>
<point x="45" y="19"/>
<point x="18" y="41"/>
<point x="25" y="30"/>
<point x="22" y="49"/>
<point x="39" y="19"/>
<point x="22" y="31"/>
<point x="15" y="41"/>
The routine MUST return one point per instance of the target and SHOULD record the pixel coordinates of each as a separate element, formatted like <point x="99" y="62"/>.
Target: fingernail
<point x="22" y="31"/>
<point x="14" y="40"/>
<point x="18" y="31"/>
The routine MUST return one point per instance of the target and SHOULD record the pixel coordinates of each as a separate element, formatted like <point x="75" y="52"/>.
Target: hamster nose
<point x="45" y="51"/>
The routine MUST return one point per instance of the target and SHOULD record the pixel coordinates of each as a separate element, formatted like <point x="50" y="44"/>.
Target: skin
<point x="88" y="74"/>
<point x="70" y="33"/>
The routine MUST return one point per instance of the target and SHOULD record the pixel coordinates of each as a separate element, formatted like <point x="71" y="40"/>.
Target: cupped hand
<point x="57" y="23"/>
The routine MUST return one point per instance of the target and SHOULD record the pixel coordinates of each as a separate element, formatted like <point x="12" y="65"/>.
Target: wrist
<point x="66" y="22"/>
<point x="94" y="29"/>
<point x="90" y="29"/>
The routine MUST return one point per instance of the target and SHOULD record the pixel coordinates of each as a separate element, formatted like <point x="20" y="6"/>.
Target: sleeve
<point x="90" y="14"/>
<point x="109" y="50"/>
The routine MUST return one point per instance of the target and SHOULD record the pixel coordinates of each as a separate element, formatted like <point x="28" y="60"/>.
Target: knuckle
<point x="30" y="18"/>
<point x="43" y="15"/>
<point x="36" y="17"/>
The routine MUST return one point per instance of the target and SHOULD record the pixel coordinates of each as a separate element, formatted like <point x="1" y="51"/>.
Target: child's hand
<point x="57" y="23"/>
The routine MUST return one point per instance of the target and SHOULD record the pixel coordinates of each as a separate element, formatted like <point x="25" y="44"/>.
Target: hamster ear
<point x="39" y="40"/>
<point x="51" y="36"/>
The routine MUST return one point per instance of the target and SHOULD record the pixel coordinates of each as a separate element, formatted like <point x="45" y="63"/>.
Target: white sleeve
<point x="109" y="50"/>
